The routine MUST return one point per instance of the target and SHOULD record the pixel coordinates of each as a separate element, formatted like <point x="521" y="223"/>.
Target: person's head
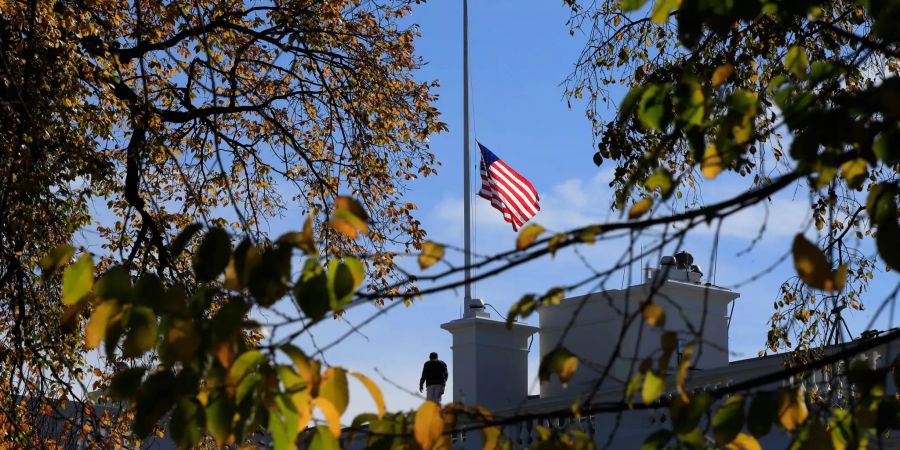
<point x="432" y="356"/>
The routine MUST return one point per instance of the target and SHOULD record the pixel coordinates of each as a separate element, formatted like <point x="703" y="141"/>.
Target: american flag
<point x="509" y="192"/>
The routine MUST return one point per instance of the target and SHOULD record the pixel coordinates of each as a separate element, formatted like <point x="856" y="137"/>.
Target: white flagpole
<point x="467" y="194"/>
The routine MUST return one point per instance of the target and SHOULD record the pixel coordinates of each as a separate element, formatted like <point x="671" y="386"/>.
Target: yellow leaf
<point x="640" y="208"/>
<point x="721" y="74"/>
<point x="554" y="242"/>
<point x="528" y="235"/>
<point x="332" y="417"/>
<point x="811" y="264"/>
<point x="428" y="426"/>
<point x="682" y="373"/>
<point x="711" y="165"/>
<point x="491" y="436"/>
<point x="653" y="387"/>
<point x="349" y="218"/>
<point x="374" y="391"/>
<point x="854" y="171"/>
<point x="100" y="318"/>
<point x="559" y="361"/>
<point x="334" y="388"/>
<point x="661" y="10"/>
<point x="744" y="441"/>
<point x="792" y="411"/>
<point x="839" y="277"/>
<point x="654" y="315"/>
<point x="432" y="252"/>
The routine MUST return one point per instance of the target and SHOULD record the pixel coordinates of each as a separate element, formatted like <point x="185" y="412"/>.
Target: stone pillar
<point x="490" y="362"/>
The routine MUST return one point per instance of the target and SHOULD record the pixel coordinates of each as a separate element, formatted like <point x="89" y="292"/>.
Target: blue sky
<point x="520" y="52"/>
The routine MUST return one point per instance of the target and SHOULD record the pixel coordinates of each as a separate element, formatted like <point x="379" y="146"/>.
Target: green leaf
<point x="630" y="101"/>
<point x="219" y="412"/>
<point x="334" y="388"/>
<point x="432" y="252"/>
<point x="881" y="203"/>
<point x="244" y="365"/>
<point x="690" y="101"/>
<point x="657" y="440"/>
<point x="185" y="423"/>
<point x="654" y="384"/>
<point x="323" y="439"/>
<point x="728" y="420"/>
<point x="125" y="383"/>
<point x="270" y="274"/>
<point x="141" y="332"/>
<point x="344" y="278"/>
<point x="115" y="283"/>
<point x="652" y="107"/>
<point x="686" y="414"/>
<point x="632" y="5"/>
<point x="149" y="291"/>
<point x="311" y="290"/>
<point x="855" y="172"/>
<point x="181" y="241"/>
<point x="633" y="386"/>
<point x="662" y="180"/>
<point x="763" y="412"/>
<point x="797" y="61"/>
<point x="249" y="384"/>
<point x="283" y="424"/>
<point x="559" y="361"/>
<point x="78" y="279"/>
<point x="661" y="10"/>
<point x="55" y="259"/>
<point x="522" y="308"/>
<point x="212" y="256"/>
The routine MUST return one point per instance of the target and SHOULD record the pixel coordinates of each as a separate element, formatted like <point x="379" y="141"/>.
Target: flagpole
<point x="467" y="194"/>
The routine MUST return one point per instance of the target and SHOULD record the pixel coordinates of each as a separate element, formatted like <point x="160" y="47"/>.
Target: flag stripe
<point x="508" y="191"/>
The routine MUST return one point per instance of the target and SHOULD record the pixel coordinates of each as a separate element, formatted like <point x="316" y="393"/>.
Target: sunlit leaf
<point x="683" y="366"/>
<point x="632" y="5"/>
<point x="555" y="241"/>
<point x="344" y="278"/>
<point x="654" y="315"/>
<point x="428" y="425"/>
<point x="728" y="420"/>
<point x="721" y="74"/>
<point x="219" y="411"/>
<point x="528" y="235"/>
<point x="283" y="424"/>
<point x="640" y="208"/>
<point x="304" y="240"/>
<point x="662" y="180"/>
<point x="855" y="172"/>
<point x="634" y="385"/>
<point x="332" y="416"/>
<point x="653" y="387"/>
<point x="792" y="410"/>
<point x="323" y="439"/>
<point x="95" y="332"/>
<point x="797" y="61"/>
<point x="711" y="165"/>
<point x="374" y="391"/>
<point x="78" y="279"/>
<point x="349" y="218"/>
<point x="559" y="361"/>
<point x="661" y="10"/>
<point x="432" y="252"/>
<point x="243" y="365"/>
<point x="334" y="388"/>
<point x="744" y="441"/>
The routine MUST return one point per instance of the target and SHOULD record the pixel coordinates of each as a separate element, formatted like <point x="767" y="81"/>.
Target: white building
<point x="490" y="365"/>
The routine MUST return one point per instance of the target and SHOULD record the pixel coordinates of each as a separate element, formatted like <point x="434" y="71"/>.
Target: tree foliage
<point x="133" y="120"/>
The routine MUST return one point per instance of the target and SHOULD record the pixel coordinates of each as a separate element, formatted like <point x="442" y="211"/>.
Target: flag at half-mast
<point x="508" y="192"/>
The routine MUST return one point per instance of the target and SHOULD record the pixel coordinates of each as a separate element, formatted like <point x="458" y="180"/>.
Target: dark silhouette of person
<point x="434" y="378"/>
